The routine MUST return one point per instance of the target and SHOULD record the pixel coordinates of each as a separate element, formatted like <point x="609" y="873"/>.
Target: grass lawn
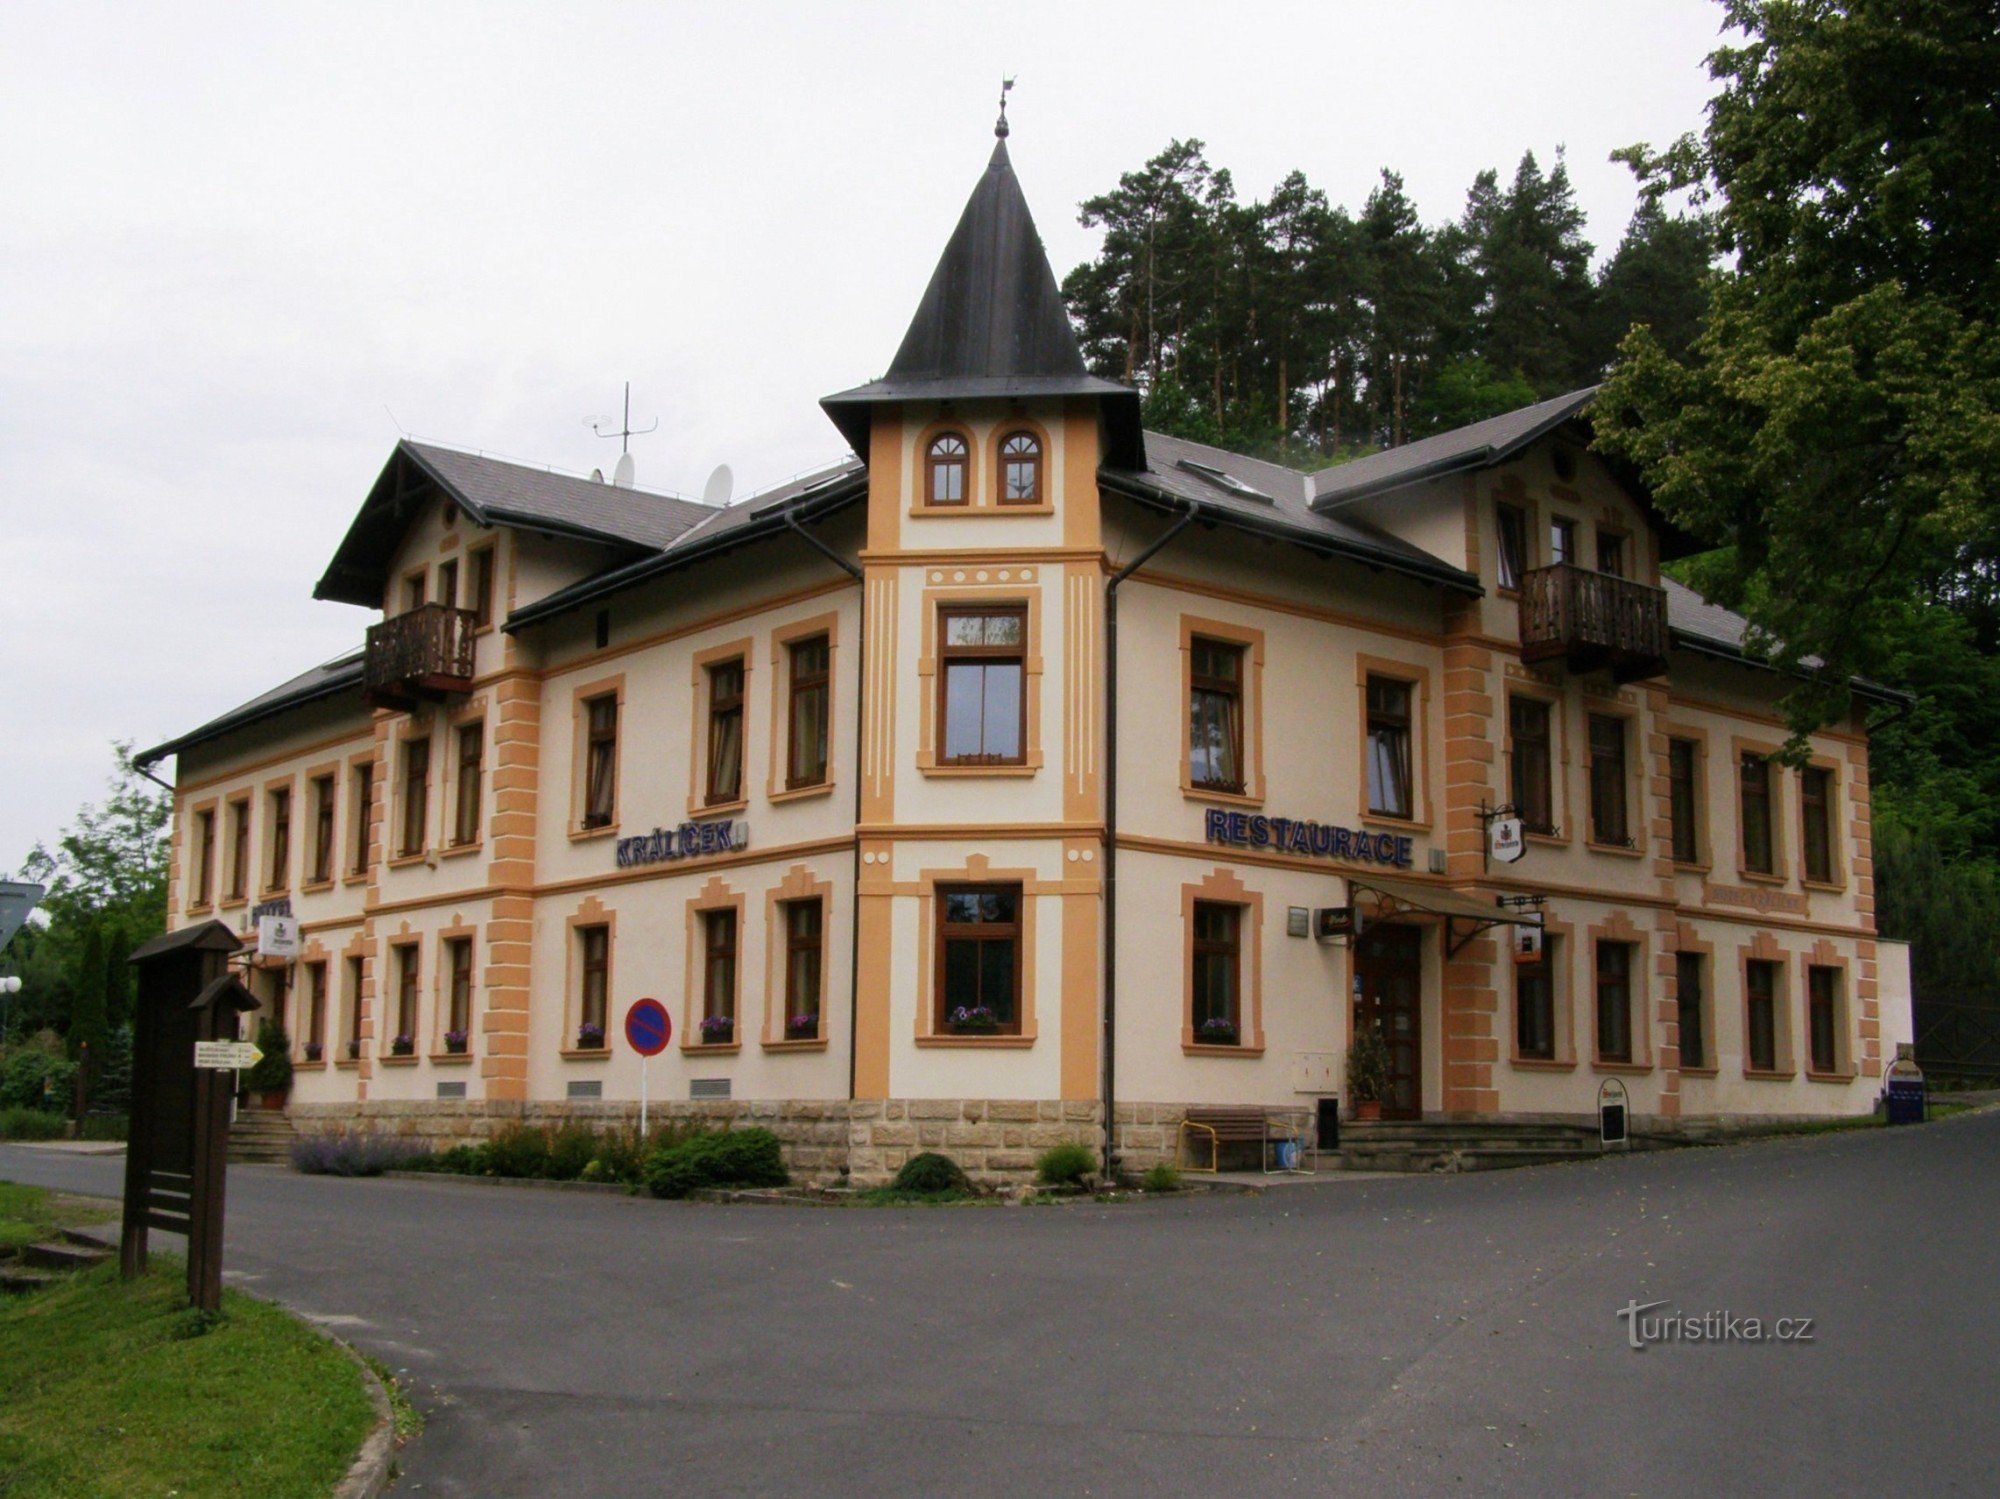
<point x="117" y="1388"/>
<point x="29" y="1215"/>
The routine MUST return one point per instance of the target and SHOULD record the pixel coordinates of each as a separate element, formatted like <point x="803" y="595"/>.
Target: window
<point x="1020" y="470"/>
<point x="279" y="874"/>
<point x="448" y="583"/>
<point x="1755" y="776"/>
<point x="204" y="858"/>
<point x="364" y="812"/>
<point x="1614" y="1001"/>
<point x="356" y="972"/>
<point x="239" y="849"/>
<point x="805" y="754"/>
<point x="1531" y="768"/>
<point x="1535" y="1004"/>
<point x="413" y="592"/>
<point x="322" y="860"/>
<point x="1760" y="983"/>
<point x="480" y="599"/>
<point x="416" y="795"/>
<point x="1816" y="806"/>
<point x="458" y="1004"/>
<point x="983" y="685"/>
<point x="944" y="470"/>
<point x="600" y="777"/>
<point x="471" y="771"/>
<point x="408" y="959"/>
<point x="1513" y="529"/>
<point x="1823" y="1018"/>
<point x="1218" y="1010"/>
<point x="1691" y="995"/>
<point x="1388" y="747"/>
<point x="594" y="998"/>
<point x="1215" y="715"/>
<point x="979" y="959"/>
<point x="1611" y="554"/>
<point x="1683" y="768"/>
<point x="315" y="1030"/>
<point x="1562" y="539"/>
<point x="725" y="731"/>
<point x="1607" y="781"/>
<point x="718" y="977"/>
<point x="804" y="960"/>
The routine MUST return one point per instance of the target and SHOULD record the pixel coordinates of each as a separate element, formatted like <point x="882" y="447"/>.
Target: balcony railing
<point x="425" y="653"/>
<point x="1593" y="621"/>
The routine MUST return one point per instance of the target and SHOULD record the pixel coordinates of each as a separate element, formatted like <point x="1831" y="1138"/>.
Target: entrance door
<point x="1388" y="980"/>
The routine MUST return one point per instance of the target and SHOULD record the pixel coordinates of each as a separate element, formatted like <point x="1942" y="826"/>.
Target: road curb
<point x="369" y="1474"/>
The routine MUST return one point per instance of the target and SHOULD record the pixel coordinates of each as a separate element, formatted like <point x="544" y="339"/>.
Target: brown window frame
<point x="363" y="813"/>
<point x="325" y="788"/>
<point x="447" y="583"/>
<point x="1510" y="524"/>
<point x="1760" y="1000"/>
<point x="1009" y="461"/>
<point x="1816" y="796"/>
<point x="1684" y="799"/>
<point x="1229" y="692"/>
<point x="1818" y="977"/>
<point x="1760" y="852"/>
<point x="1613" y="554"/>
<point x="600" y="760"/>
<point x="593" y="998"/>
<point x="982" y="932"/>
<point x="409" y="979"/>
<point x="804" y="947"/>
<point x="416" y="796"/>
<point x="726" y="716"/>
<point x="1541" y="1008"/>
<point x="1690" y="999"/>
<point x="1226" y="952"/>
<point x="802" y="684"/>
<point x="239" y="849"/>
<point x="1615" y="979"/>
<point x="357" y="979"/>
<point x="278" y="871"/>
<point x="204" y="857"/>
<point x="468" y="788"/>
<point x="481" y="605"/>
<point x="1608" y="773"/>
<point x="1562" y="540"/>
<point x="458" y="987"/>
<point x="935" y="461"/>
<point x="416" y="590"/>
<point x="721" y="942"/>
<point x="1384" y="720"/>
<point x="998" y="655"/>
<point x="1531" y="778"/>
<point x="315" y="1006"/>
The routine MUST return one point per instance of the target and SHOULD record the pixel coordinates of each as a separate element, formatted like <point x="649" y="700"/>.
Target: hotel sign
<point x="1317" y="840"/>
<point x="690" y="840"/>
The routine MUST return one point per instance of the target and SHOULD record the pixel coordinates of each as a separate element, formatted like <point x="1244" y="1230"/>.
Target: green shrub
<point x="273" y="1072"/>
<point x="930" y="1173"/>
<point x="1065" y="1165"/>
<point x="518" y="1150"/>
<point x="17" y="1123"/>
<point x="724" y="1158"/>
<point x="37" y="1078"/>
<point x="460" y="1160"/>
<point x="105" y="1127"/>
<point x="573" y="1145"/>
<point x="1165" y="1177"/>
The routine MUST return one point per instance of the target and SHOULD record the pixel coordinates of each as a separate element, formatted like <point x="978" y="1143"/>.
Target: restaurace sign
<point x="1317" y="840"/>
<point x="690" y="840"/>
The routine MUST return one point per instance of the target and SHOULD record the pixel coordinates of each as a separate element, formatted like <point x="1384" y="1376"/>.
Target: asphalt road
<point x="1396" y="1335"/>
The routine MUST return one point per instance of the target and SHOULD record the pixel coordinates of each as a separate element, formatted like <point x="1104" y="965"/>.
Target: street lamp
<point x="10" y="985"/>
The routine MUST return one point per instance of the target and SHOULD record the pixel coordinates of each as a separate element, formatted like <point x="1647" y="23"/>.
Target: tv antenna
<point x="625" y="431"/>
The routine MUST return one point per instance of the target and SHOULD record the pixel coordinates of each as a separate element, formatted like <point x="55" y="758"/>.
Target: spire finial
<point x="1000" y="128"/>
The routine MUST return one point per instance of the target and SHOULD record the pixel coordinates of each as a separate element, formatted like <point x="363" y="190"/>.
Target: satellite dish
<point x="597" y="476"/>
<point x="715" y="492"/>
<point x="622" y="475"/>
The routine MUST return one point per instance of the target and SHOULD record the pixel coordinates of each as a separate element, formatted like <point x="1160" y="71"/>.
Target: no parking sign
<point x="648" y="1029"/>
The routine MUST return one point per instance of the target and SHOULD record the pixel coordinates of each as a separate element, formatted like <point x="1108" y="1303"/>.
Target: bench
<point x="1247" y="1125"/>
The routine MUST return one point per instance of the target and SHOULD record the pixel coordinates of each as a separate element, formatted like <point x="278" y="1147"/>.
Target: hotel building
<point x="1010" y="779"/>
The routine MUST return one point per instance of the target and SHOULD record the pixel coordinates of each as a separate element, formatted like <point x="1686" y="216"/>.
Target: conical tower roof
<point x="991" y="323"/>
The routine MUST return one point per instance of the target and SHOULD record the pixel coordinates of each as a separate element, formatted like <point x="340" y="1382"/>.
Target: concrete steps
<point x="62" y="1257"/>
<point x="261" y="1137"/>
<point x="1451" y="1145"/>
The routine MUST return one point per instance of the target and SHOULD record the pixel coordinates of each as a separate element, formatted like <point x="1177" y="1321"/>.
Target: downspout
<point x="860" y="718"/>
<point x="1111" y="823"/>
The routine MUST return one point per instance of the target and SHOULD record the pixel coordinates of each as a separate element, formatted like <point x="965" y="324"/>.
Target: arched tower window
<point x="1020" y="469"/>
<point x="944" y="470"/>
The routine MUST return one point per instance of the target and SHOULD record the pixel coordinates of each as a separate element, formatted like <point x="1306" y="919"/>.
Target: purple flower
<point x="975" y="1017"/>
<point x="1218" y="1028"/>
<point x="803" y="1023"/>
<point x="718" y="1025"/>
<point x="589" y="1036"/>
<point x="456" y="1039"/>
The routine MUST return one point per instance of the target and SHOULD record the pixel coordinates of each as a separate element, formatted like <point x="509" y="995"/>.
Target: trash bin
<point x="1288" y="1155"/>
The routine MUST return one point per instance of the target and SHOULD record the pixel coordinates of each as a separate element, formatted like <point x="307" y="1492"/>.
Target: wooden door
<point x="1389" y="987"/>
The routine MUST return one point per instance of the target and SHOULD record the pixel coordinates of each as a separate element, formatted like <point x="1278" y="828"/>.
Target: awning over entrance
<point x="1465" y="916"/>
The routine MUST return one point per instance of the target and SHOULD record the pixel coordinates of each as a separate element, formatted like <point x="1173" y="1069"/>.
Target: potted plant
<point x="718" y="1030"/>
<point x="403" y="1046"/>
<point x="974" y="1020"/>
<point x="590" y="1036"/>
<point x="455" y="1042"/>
<point x="271" y="1077"/>
<point x="1368" y="1073"/>
<point x="354" y="1050"/>
<point x="802" y="1028"/>
<point x="1217" y="1030"/>
<point x="314" y="1051"/>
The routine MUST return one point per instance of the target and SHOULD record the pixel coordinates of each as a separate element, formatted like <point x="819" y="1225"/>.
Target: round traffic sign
<point x="648" y="1027"/>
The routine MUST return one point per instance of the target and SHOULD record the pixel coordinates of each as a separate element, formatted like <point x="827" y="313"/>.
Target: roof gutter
<point x="229" y="725"/>
<point x="1861" y="687"/>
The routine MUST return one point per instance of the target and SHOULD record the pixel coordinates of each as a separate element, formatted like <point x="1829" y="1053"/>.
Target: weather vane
<point x="625" y="431"/>
<point x="1001" y="128"/>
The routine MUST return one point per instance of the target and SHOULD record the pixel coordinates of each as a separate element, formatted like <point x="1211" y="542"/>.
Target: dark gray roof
<point x="342" y="674"/>
<point x="1249" y="494"/>
<point x="1701" y="625"/>
<point x="493" y="492"/>
<point x="1480" y="445"/>
<point x="991" y="323"/>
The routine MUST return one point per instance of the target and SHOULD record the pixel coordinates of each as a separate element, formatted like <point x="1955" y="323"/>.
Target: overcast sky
<point x="242" y="245"/>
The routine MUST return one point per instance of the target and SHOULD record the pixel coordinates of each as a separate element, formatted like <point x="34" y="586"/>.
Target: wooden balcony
<point x="424" y="655"/>
<point x="1593" y="622"/>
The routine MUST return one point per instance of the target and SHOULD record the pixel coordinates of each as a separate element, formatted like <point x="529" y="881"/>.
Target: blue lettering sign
<point x="1287" y="834"/>
<point x="689" y="840"/>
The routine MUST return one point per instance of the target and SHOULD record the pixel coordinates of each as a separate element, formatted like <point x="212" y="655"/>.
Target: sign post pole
<point x="648" y="1028"/>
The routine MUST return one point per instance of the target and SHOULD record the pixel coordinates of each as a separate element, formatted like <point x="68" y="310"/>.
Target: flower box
<point x="314" y="1051"/>
<point x="802" y="1028"/>
<point x="973" y="1020"/>
<point x="718" y="1030"/>
<point x="403" y="1046"/>
<point x="1216" y="1031"/>
<point x="455" y="1042"/>
<point x="589" y="1037"/>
